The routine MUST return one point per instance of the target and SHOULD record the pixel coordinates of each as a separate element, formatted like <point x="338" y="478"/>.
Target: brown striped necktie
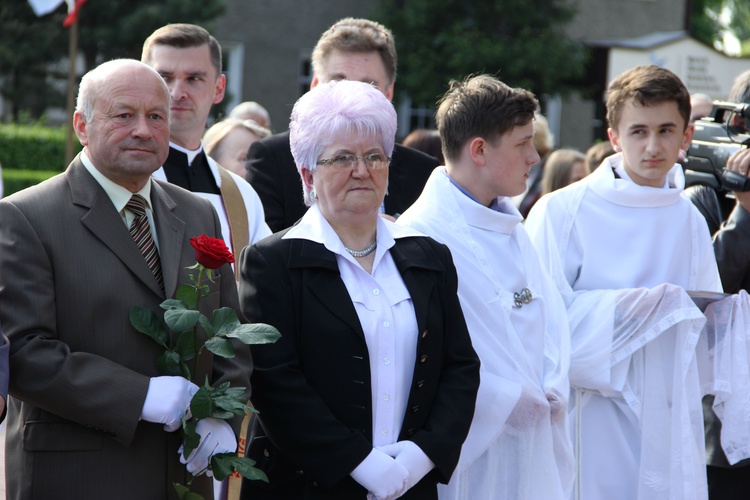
<point x="140" y="229"/>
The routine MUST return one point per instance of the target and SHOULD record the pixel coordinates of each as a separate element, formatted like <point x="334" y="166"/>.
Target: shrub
<point x="16" y="180"/>
<point x="33" y="147"/>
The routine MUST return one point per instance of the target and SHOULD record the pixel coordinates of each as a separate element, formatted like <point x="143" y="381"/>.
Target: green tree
<point x="704" y="20"/>
<point x="29" y="48"/>
<point x="107" y="30"/>
<point x="523" y="43"/>
<point x="117" y="28"/>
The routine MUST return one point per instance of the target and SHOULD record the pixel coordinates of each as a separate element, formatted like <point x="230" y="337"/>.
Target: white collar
<point x="623" y="191"/>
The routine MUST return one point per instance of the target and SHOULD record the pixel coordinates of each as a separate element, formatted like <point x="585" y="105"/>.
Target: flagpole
<point x="72" y="64"/>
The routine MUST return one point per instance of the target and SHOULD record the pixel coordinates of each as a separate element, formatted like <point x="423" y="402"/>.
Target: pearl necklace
<point x="362" y="253"/>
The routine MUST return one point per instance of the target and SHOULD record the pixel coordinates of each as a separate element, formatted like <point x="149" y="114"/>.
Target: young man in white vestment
<point x="518" y="446"/>
<point x="636" y="401"/>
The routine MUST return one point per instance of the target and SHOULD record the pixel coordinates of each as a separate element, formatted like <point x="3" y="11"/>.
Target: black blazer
<point x="313" y="388"/>
<point x="273" y="174"/>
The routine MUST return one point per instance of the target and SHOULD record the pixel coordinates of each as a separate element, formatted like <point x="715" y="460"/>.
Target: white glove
<point x="167" y="400"/>
<point x="411" y="456"/>
<point x="217" y="436"/>
<point x="381" y="476"/>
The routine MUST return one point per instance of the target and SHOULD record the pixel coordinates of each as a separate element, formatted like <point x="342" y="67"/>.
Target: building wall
<point x="274" y="37"/>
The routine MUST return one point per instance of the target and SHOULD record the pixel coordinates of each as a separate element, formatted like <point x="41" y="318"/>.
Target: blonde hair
<point x="214" y="136"/>
<point x="557" y="168"/>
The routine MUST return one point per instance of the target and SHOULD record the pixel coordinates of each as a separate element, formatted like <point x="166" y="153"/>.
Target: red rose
<point x="211" y="253"/>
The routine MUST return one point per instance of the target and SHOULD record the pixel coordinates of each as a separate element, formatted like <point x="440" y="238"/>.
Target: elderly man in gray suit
<point x="89" y="416"/>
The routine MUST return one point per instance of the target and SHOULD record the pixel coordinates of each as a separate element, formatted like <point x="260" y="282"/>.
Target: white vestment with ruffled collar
<point x="622" y="256"/>
<point x="518" y="446"/>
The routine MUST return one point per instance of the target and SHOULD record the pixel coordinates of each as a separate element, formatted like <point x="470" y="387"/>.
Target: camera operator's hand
<point x="740" y="162"/>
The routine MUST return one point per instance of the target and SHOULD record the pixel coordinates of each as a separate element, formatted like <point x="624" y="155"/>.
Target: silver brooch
<point x="522" y="297"/>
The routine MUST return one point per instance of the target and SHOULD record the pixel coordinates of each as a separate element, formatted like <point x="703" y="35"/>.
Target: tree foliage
<point x="28" y="50"/>
<point x="704" y="21"/>
<point x="523" y="43"/>
<point x="107" y="30"/>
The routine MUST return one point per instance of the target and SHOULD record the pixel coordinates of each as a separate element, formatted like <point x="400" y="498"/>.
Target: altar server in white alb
<point x="637" y="400"/>
<point x="518" y="445"/>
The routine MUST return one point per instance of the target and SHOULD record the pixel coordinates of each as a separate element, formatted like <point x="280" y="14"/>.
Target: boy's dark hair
<point x="481" y="106"/>
<point x="647" y="85"/>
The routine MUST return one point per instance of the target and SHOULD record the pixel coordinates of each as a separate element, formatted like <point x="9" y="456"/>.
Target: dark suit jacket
<point x="4" y="349"/>
<point x="272" y="172"/>
<point x="313" y="387"/>
<point x="69" y="273"/>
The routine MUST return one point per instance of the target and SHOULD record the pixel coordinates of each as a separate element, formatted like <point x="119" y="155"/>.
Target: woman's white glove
<point x="381" y="476"/>
<point x="217" y="436"/>
<point x="167" y="400"/>
<point x="411" y="456"/>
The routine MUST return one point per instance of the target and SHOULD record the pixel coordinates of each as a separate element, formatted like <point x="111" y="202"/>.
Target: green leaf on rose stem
<point x="255" y="333"/>
<point x="243" y="465"/>
<point x="221" y="465"/>
<point x="189" y="295"/>
<point x="220" y="346"/>
<point x="181" y="320"/>
<point x="201" y="406"/>
<point x="224" y="320"/>
<point x="207" y="326"/>
<point x="146" y="321"/>
<point x="185" y="345"/>
<point x="173" y="304"/>
<point x="191" y="438"/>
<point x="168" y="363"/>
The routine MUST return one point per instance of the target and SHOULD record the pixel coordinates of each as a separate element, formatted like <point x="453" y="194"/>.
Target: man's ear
<point x="614" y="139"/>
<point x="221" y="87"/>
<point x="477" y="150"/>
<point x="315" y="81"/>
<point x="79" y="126"/>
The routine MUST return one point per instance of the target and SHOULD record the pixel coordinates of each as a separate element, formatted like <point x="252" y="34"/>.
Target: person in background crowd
<point x="700" y="106"/>
<point x="596" y="154"/>
<point x="351" y="49"/>
<point x="729" y="223"/>
<point x="370" y="391"/>
<point x="189" y="60"/>
<point x="563" y="167"/>
<point x="543" y="142"/>
<point x="227" y="142"/>
<point x="251" y="110"/>
<point x="90" y="416"/>
<point x="425" y="140"/>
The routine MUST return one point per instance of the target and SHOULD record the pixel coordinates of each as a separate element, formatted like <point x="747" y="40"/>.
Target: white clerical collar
<point x="191" y="154"/>
<point x="118" y="194"/>
<point x="501" y="216"/>
<point x="623" y="191"/>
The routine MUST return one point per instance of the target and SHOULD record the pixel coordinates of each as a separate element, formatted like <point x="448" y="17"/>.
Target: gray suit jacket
<point x="69" y="273"/>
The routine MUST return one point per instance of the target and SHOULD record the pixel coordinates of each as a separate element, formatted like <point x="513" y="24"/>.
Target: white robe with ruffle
<point x="518" y="446"/>
<point x="638" y="426"/>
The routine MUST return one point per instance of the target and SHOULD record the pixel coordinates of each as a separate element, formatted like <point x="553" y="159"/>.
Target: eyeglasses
<point x="373" y="161"/>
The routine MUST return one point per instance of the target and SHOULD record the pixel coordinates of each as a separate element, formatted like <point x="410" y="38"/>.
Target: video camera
<point x="716" y="137"/>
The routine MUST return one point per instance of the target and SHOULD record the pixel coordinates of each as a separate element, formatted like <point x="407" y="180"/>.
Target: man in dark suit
<point x="89" y="415"/>
<point x="351" y="49"/>
<point x="4" y="349"/>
